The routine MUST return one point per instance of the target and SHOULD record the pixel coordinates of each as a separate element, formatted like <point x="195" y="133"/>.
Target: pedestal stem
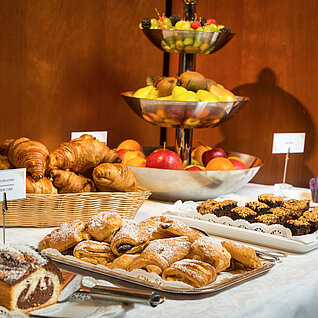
<point x="184" y="144"/>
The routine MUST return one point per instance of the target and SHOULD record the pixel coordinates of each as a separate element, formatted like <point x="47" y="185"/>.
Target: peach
<point x="130" y="144"/>
<point x="197" y="153"/>
<point x="137" y="162"/>
<point x="130" y="154"/>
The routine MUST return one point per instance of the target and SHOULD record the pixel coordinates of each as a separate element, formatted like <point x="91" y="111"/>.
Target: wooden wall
<point x="64" y="63"/>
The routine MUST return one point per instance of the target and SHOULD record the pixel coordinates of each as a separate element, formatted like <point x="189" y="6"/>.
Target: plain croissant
<point x="5" y="146"/>
<point x="114" y="177"/>
<point x="82" y="154"/>
<point x="5" y="163"/>
<point x="70" y="182"/>
<point x="43" y="186"/>
<point x="29" y="154"/>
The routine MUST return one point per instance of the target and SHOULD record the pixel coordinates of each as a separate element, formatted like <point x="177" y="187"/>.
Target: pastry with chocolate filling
<point x="66" y="236"/>
<point x="104" y="225"/>
<point x="160" y="254"/>
<point x="242" y="254"/>
<point x="153" y="225"/>
<point x="177" y="228"/>
<point x="131" y="238"/>
<point x="259" y="207"/>
<point x="296" y="207"/>
<point x="298" y="227"/>
<point x="192" y="272"/>
<point x="29" y="279"/>
<point x="243" y="212"/>
<point x="272" y="201"/>
<point x="122" y="261"/>
<point x="94" y="252"/>
<point x="207" y="250"/>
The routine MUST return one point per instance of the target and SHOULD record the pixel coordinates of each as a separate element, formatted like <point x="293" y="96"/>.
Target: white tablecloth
<point x="289" y="289"/>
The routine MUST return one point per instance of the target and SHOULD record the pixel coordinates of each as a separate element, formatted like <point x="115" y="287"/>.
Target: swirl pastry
<point x="160" y="254"/>
<point x="192" y="272"/>
<point x="104" y="225"/>
<point x="122" y="261"/>
<point x="94" y="252"/>
<point x="131" y="238"/>
<point x="66" y="236"/>
<point x="177" y="228"/>
<point x="207" y="250"/>
<point x="242" y="254"/>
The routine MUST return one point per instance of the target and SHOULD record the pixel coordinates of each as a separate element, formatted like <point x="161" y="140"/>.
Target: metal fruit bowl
<point x="173" y="185"/>
<point x="178" y="114"/>
<point x="191" y="42"/>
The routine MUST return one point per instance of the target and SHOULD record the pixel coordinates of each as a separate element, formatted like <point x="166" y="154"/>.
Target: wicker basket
<point x="47" y="210"/>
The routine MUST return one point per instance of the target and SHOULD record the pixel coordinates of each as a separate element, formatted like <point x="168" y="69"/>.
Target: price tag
<point x="13" y="182"/>
<point x="288" y="142"/>
<point x="99" y="135"/>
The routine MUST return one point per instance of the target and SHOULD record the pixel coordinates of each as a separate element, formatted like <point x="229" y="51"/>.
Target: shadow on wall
<point x="270" y="110"/>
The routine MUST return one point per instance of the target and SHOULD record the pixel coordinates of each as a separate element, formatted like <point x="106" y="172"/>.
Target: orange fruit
<point x="197" y="153"/>
<point x="130" y="144"/>
<point x="131" y="154"/>
<point x="137" y="162"/>
<point x="237" y="158"/>
<point x="219" y="163"/>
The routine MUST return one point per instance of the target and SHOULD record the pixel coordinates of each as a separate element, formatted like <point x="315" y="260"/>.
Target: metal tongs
<point x="271" y="256"/>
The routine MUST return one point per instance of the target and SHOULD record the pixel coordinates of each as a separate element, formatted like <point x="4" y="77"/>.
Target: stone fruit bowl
<point x="173" y="185"/>
<point x="180" y="114"/>
<point x="188" y="41"/>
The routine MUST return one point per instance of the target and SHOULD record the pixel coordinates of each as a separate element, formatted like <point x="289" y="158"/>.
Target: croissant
<point x="5" y="163"/>
<point x="70" y="182"/>
<point x="114" y="177"/>
<point x="29" y="154"/>
<point x="5" y="145"/>
<point x="82" y="154"/>
<point x="43" y="186"/>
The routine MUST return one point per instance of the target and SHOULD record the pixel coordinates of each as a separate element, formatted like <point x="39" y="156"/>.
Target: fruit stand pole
<point x="184" y="136"/>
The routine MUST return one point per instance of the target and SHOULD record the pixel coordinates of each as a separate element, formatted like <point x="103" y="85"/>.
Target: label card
<point x="13" y="182"/>
<point x="295" y="142"/>
<point x="99" y="135"/>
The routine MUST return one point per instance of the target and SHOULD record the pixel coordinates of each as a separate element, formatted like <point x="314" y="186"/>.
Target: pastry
<point x="66" y="236"/>
<point x="242" y="254"/>
<point x="43" y="186"/>
<point x="153" y="225"/>
<point x="160" y="254"/>
<point x="122" y="261"/>
<point x="29" y="279"/>
<point x="5" y="146"/>
<point x="70" y="182"/>
<point x="82" y="154"/>
<point x="192" y="272"/>
<point x="131" y="238"/>
<point x="5" y="163"/>
<point x="29" y="154"/>
<point x="94" y="252"/>
<point x="114" y="177"/>
<point x="207" y="250"/>
<point x="104" y="225"/>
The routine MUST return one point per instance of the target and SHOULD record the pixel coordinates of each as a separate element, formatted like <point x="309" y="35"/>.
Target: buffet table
<point x="289" y="289"/>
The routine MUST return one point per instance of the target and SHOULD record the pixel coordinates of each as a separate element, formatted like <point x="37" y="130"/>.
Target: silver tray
<point x="224" y="280"/>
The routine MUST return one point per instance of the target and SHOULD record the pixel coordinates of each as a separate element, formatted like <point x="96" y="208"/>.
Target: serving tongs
<point x="109" y="293"/>
<point x="271" y="256"/>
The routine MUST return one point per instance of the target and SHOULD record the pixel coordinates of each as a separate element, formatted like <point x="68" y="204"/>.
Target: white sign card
<point x="99" y="135"/>
<point x="13" y="183"/>
<point x="295" y="142"/>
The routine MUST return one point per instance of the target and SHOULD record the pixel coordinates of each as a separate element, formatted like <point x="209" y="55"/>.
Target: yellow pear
<point x="146" y="92"/>
<point x="222" y="93"/>
<point x="206" y="96"/>
<point x="182" y="94"/>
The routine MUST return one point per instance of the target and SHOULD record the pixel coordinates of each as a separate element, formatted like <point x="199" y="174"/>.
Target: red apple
<point x="194" y="168"/>
<point x="166" y="159"/>
<point x="121" y="153"/>
<point x="212" y="153"/>
<point x="237" y="164"/>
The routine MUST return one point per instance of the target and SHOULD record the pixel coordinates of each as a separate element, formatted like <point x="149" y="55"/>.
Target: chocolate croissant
<point x="5" y="163"/>
<point x="114" y="177"/>
<point x="82" y="154"/>
<point x="94" y="252"/>
<point x="192" y="272"/>
<point x="160" y="254"/>
<point x="43" y="186"/>
<point x="70" y="182"/>
<point x="29" y="154"/>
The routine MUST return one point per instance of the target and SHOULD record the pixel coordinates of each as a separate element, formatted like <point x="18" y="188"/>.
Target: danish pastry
<point x="152" y="224"/>
<point x="207" y="250"/>
<point x="94" y="252"/>
<point x="66" y="236"/>
<point x="122" y="261"/>
<point x="160" y="254"/>
<point x="242" y="254"/>
<point x="104" y="225"/>
<point x="192" y="272"/>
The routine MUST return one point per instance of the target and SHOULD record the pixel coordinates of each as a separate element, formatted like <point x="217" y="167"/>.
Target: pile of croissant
<point x="159" y="244"/>
<point x="80" y="165"/>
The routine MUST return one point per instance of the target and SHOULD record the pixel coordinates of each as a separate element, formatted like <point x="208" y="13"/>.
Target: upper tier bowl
<point x="178" y="114"/>
<point x="191" y="42"/>
<point x="173" y="185"/>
